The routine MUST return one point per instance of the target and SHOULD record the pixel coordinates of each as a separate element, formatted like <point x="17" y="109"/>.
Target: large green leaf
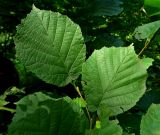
<point x="51" y="46"/>
<point x="152" y="7"/>
<point x="147" y="31"/>
<point x="39" y="114"/>
<point x="150" y="124"/>
<point x="113" y="80"/>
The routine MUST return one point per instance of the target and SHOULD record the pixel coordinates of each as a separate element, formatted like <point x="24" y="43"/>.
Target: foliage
<point x="37" y="51"/>
<point x="86" y="67"/>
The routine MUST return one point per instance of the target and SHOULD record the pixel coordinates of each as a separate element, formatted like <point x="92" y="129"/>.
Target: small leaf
<point x="113" y="80"/>
<point x="3" y="102"/>
<point x="51" y="46"/>
<point x="147" y="62"/>
<point x="150" y="124"/>
<point x="47" y="117"/>
<point x="81" y="102"/>
<point x="98" y="124"/>
<point x="147" y="31"/>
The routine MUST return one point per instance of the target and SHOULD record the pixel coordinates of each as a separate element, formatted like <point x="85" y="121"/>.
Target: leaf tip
<point x="34" y="8"/>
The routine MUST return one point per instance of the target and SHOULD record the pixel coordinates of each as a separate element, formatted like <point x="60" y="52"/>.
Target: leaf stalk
<point x="79" y="93"/>
<point x="7" y="109"/>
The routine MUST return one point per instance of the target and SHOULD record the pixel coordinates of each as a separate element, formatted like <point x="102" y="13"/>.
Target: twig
<point x="145" y="46"/>
<point x="79" y="93"/>
<point x="7" y="109"/>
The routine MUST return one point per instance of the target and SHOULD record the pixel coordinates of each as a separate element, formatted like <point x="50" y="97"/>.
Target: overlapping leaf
<point x="150" y="124"/>
<point x="51" y="46"/>
<point x="113" y="80"/>
<point x="39" y="114"/>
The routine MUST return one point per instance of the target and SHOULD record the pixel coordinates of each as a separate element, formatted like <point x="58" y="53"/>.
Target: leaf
<point x="98" y="124"/>
<point x="47" y="117"/>
<point x="105" y="7"/>
<point x="150" y="122"/>
<point x="113" y="80"/>
<point x="29" y="104"/>
<point x="81" y="102"/>
<point x="107" y="128"/>
<point x="51" y="46"/>
<point x="147" y="31"/>
<point x="152" y="7"/>
<point x="147" y="62"/>
<point x="3" y="102"/>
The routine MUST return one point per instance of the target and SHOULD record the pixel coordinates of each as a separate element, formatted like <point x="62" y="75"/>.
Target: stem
<point x="7" y="109"/>
<point x="145" y="46"/>
<point x="79" y="93"/>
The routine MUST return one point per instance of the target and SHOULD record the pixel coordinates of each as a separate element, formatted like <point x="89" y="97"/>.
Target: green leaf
<point x="113" y="80"/>
<point x="147" y="62"/>
<point x="106" y="128"/>
<point x="98" y="124"/>
<point x="150" y="122"/>
<point x="29" y="104"/>
<point x="152" y="7"/>
<point x="81" y="102"/>
<point x="105" y="7"/>
<point x="47" y="117"/>
<point x="147" y="31"/>
<point x="3" y="102"/>
<point x="51" y="46"/>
